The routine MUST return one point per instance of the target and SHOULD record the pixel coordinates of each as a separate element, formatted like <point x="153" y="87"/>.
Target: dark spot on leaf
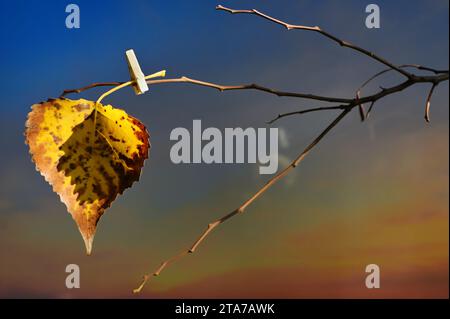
<point x="82" y="106"/>
<point x="114" y="139"/>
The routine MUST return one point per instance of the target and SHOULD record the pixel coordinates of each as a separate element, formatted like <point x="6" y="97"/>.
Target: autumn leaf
<point x="88" y="152"/>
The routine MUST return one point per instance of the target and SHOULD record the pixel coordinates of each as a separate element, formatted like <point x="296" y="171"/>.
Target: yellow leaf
<point x="88" y="156"/>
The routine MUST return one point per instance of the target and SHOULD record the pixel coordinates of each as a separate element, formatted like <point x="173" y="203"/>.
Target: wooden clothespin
<point x="140" y="85"/>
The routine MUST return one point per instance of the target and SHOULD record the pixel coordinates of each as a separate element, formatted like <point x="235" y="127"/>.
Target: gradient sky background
<point x="374" y="192"/>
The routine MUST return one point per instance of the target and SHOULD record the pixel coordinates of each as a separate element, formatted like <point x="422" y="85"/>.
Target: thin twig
<point x="425" y="68"/>
<point x="211" y="226"/>
<point x="87" y="87"/>
<point x="370" y="109"/>
<point x="321" y="31"/>
<point x="428" y="103"/>
<point x="362" y="113"/>
<point x="323" y="108"/>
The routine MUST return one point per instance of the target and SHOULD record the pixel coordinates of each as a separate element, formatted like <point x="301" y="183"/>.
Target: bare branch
<point x="418" y="67"/>
<point x="222" y="88"/>
<point x="257" y="87"/>
<point x="346" y="104"/>
<point x="324" y="33"/>
<point x="400" y="87"/>
<point x="351" y="102"/>
<point x="247" y="203"/>
<point x="357" y="101"/>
